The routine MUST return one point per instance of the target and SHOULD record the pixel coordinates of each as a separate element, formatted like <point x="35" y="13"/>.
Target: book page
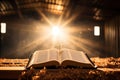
<point x="65" y="55"/>
<point x="43" y="56"/>
<point x="71" y="57"/>
<point x="79" y="56"/>
<point x="53" y="54"/>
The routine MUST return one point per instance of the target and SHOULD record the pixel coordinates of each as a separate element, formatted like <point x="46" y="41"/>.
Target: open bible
<point x="60" y="58"/>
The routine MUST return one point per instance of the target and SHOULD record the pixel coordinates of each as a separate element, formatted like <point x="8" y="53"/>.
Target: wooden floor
<point x="11" y="69"/>
<point x="72" y="74"/>
<point x="13" y="73"/>
<point x="109" y="69"/>
<point x="10" y="73"/>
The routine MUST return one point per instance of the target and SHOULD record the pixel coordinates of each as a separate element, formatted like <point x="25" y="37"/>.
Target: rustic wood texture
<point x="112" y="36"/>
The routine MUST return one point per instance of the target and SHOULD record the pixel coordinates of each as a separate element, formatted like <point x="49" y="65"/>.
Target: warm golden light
<point x="59" y="35"/>
<point x="60" y="32"/>
<point x="59" y="7"/>
<point x="56" y="31"/>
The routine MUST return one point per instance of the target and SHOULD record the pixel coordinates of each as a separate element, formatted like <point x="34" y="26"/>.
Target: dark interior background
<point x="25" y="21"/>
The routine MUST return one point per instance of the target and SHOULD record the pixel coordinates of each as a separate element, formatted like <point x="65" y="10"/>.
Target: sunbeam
<point x="83" y="44"/>
<point x="51" y="36"/>
<point x="44" y="17"/>
<point x="69" y="20"/>
<point x="86" y="41"/>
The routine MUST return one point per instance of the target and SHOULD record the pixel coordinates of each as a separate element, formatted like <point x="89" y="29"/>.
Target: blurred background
<point x="92" y="26"/>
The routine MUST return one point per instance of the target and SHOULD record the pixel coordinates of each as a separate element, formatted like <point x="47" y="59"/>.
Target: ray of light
<point x="60" y="19"/>
<point x="73" y="40"/>
<point x="80" y="45"/>
<point x="86" y="41"/>
<point x="69" y="20"/>
<point x="33" y="44"/>
<point x="88" y="48"/>
<point x="44" y="17"/>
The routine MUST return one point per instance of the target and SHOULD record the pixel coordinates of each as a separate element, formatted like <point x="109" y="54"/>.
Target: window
<point x="96" y="30"/>
<point x="3" y="27"/>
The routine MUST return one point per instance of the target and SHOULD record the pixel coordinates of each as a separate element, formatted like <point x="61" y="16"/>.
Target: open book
<point x="59" y="58"/>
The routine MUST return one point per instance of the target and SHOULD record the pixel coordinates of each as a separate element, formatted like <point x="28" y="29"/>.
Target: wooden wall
<point x="112" y="37"/>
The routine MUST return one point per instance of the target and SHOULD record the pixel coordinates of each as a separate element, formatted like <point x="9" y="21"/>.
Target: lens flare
<point x="56" y="31"/>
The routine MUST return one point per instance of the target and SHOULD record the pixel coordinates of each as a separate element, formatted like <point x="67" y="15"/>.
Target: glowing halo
<point x="56" y="31"/>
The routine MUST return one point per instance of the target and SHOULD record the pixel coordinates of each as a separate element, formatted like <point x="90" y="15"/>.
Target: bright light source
<point x="97" y="30"/>
<point x="56" y="31"/>
<point x="3" y="27"/>
<point x="59" y="34"/>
